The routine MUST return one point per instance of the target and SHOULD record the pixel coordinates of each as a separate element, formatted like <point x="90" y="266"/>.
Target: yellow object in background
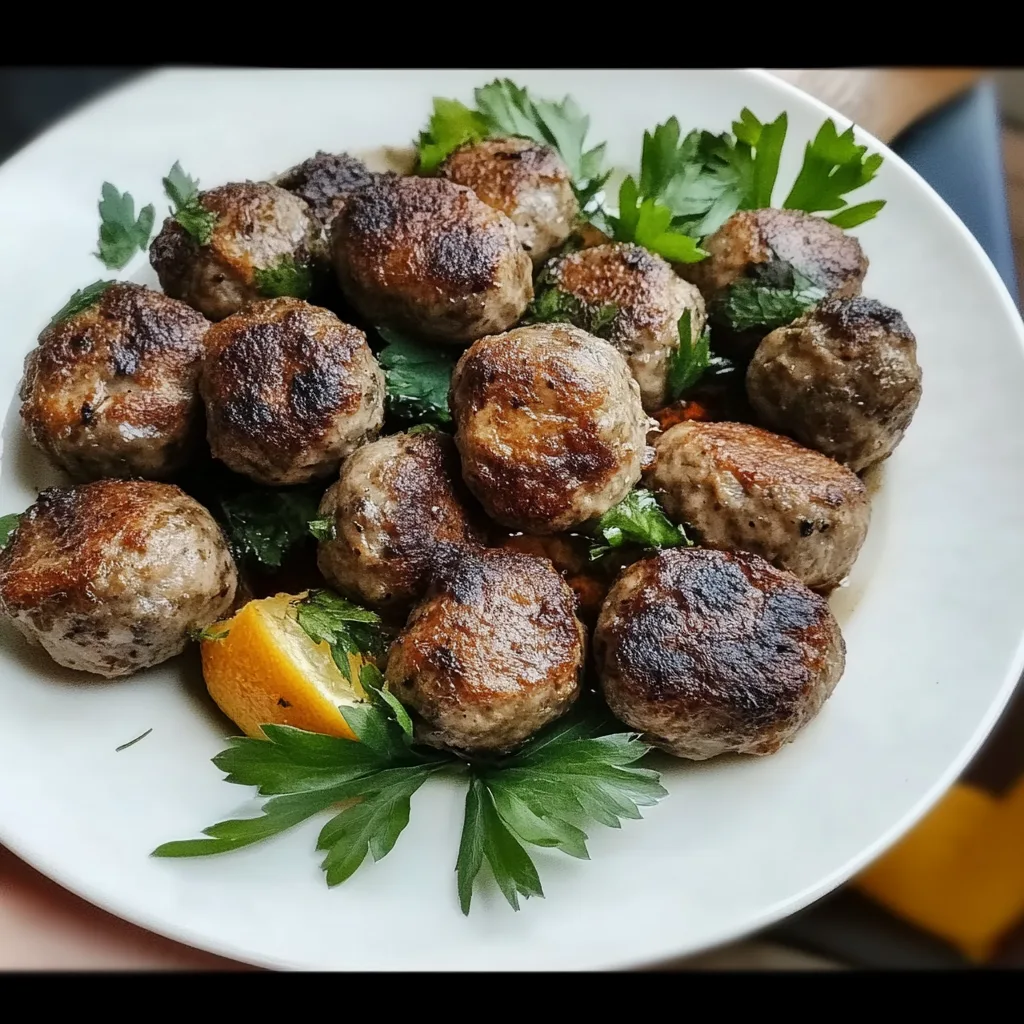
<point x="267" y="670"/>
<point x="960" y="873"/>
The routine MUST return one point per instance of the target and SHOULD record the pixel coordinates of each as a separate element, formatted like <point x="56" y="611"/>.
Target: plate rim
<point x="772" y="914"/>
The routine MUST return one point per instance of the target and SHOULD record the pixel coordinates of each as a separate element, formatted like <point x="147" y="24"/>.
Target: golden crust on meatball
<point x="112" y="390"/>
<point x="289" y="391"/>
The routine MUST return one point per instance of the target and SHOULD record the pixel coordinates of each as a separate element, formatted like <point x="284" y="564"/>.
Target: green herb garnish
<point x="8" y="524"/>
<point x="346" y="627"/>
<point x="686" y="365"/>
<point x="323" y="529"/>
<point x="121" y="234"/>
<point x="648" y="222"/>
<point x="702" y="179"/>
<point x="551" y="305"/>
<point x="773" y="295"/>
<point x="82" y="299"/>
<point x="187" y="209"/>
<point x="418" y="378"/>
<point x="504" y="108"/>
<point x="637" y="519"/>
<point x="563" y="779"/>
<point x="285" y="277"/>
<point x="264" y="524"/>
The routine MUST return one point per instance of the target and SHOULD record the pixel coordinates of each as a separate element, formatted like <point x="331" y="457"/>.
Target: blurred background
<point x="951" y="894"/>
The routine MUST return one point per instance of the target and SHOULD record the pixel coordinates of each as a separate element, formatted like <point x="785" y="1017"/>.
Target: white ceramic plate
<point x="933" y="616"/>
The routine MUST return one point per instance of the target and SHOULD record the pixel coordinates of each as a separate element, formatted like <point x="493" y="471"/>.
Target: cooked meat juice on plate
<point x="533" y="477"/>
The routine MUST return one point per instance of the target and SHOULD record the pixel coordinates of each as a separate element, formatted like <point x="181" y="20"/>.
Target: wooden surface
<point x="882" y="100"/>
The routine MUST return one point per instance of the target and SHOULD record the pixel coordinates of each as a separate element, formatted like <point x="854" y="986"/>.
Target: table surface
<point x="957" y="149"/>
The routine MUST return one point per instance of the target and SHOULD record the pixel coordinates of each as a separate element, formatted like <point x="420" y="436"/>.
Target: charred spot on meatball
<point x="111" y="577"/>
<point x="111" y="391"/>
<point x="289" y="391"/>
<point x="265" y="242"/>
<point x="397" y="502"/>
<point x="492" y="654"/>
<point x="843" y="379"/>
<point x="425" y="255"/>
<point x="326" y="180"/>
<point x="741" y="488"/>
<point x="549" y="426"/>
<point x="644" y="299"/>
<point x="525" y="180"/>
<point x="710" y="652"/>
<point x="784" y="249"/>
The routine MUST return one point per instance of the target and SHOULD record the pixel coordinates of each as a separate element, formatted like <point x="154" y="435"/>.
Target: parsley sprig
<point x="82" y="299"/>
<point x="8" y="524"/>
<point x="348" y="628"/>
<point x="564" y="779"/>
<point x="121" y="233"/>
<point x="187" y="209"/>
<point x="418" y="378"/>
<point x="771" y="295"/>
<point x="687" y="364"/>
<point x="504" y="108"/>
<point x="264" y="524"/>
<point x="637" y="519"/>
<point x="287" y="276"/>
<point x="701" y="179"/>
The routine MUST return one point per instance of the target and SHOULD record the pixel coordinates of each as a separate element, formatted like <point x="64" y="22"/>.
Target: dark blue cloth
<point x="958" y="151"/>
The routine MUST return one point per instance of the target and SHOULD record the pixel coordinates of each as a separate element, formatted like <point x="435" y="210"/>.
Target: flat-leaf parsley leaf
<point x="263" y="524"/>
<point x="348" y="628"/>
<point x="121" y="233"/>
<point x="8" y="524"/>
<point x="187" y="208"/>
<point x="687" y="364"/>
<point x="418" y="378"/>
<point x="82" y="299"/>
<point x="774" y="294"/>
<point x="637" y="519"/>
<point x="286" y="277"/>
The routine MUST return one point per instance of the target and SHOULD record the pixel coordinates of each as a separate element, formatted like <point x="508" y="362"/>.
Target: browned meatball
<point x="492" y="654"/>
<point x="326" y="180"/>
<point x="843" y="379"/>
<point x="742" y="488"/>
<point x="647" y="298"/>
<point x="525" y="180"/>
<point x="395" y="502"/>
<point x="753" y="242"/>
<point x="110" y="577"/>
<point x="549" y="426"/>
<point x="709" y="652"/>
<point x="289" y="391"/>
<point x="265" y="242"/>
<point x="426" y="256"/>
<point x="112" y="389"/>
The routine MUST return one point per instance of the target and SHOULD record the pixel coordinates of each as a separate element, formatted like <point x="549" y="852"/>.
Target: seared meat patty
<point x="744" y="489"/>
<point x="110" y="577"/>
<point x="549" y="426"/>
<point x="289" y="391"/>
<point x="754" y="242"/>
<point x="326" y="180"/>
<point x="843" y="379"/>
<point x="711" y="652"/>
<point x="265" y="242"/>
<point x="525" y="180"/>
<point x="492" y="654"/>
<point x="427" y="256"/>
<point x="112" y="390"/>
<point x="396" y="502"/>
<point x="646" y="299"/>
